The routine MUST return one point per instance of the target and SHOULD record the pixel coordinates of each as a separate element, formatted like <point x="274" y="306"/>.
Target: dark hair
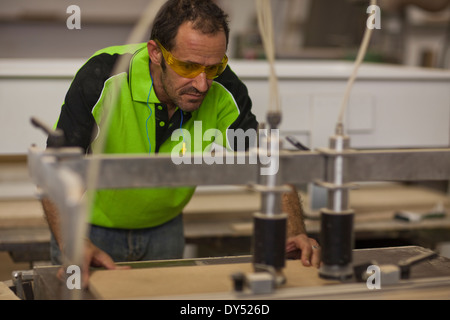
<point x="205" y="15"/>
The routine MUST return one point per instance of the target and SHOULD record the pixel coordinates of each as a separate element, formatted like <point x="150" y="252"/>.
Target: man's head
<point x="194" y="32"/>
<point x="205" y="15"/>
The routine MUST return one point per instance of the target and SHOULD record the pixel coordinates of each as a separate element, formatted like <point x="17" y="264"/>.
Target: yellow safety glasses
<point x="191" y="70"/>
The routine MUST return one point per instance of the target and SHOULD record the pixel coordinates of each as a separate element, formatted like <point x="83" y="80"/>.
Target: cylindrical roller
<point x="336" y="240"/>
<point x="269" y="240"/>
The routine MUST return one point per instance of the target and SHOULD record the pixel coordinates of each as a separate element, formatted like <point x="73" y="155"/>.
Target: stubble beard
<point x="176" y="98"/>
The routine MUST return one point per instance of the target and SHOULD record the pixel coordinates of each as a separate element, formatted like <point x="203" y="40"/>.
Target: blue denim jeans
<point x="157" y="243"/>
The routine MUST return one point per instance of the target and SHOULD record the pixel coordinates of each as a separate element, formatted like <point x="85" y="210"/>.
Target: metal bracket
<point x="391" y="273"/>
<point x="22" y="282"/>
<point x="264" y="280"/>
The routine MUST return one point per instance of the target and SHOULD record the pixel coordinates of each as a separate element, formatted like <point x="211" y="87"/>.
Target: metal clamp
<point x="22" y="283"/>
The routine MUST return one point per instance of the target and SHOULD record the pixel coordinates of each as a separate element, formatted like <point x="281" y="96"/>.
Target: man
<point x="176" y="79"/>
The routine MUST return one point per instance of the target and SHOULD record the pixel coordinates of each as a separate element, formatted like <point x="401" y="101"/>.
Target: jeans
<point x="157" y="243"/>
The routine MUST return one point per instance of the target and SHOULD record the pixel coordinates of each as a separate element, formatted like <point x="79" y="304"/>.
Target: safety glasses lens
<point x="192" y="70"/>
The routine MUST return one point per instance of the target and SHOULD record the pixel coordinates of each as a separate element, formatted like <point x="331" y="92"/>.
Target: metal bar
<point x="302" y="167"/>
<point x="157" y="171"/>
<point x="143" y="171"/>
<point x="295" y="168"/>
<point x="398" y="165"/>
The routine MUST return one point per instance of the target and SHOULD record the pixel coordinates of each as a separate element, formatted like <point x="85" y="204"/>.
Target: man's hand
<point x="298" y="245"/>
<point x="304" y="248"/>
<point x="93" y="257"/>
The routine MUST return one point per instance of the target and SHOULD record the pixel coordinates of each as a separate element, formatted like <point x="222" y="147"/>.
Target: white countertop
<point x="286" y="69"/>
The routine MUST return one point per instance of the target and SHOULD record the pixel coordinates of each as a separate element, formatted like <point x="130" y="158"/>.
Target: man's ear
<point x="154" y="52"/>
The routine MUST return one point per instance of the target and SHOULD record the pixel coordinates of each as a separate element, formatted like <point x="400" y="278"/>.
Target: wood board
<point x="185" y="280"/>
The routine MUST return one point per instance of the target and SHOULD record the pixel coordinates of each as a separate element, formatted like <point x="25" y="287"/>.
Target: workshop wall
<point x="304" y="29"/>
<point x="40" y="55"/>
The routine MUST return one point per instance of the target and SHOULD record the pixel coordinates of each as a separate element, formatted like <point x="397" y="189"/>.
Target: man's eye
<point x="188" y="66"/>
<point x="212" y="68"/>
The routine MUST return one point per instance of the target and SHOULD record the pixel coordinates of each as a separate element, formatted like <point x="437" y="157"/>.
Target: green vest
<point x="132" y="128"/>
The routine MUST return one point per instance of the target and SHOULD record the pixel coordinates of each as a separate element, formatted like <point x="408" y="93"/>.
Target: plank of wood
<point x="394" y="197"/>
<point x="174" y="281"/>
<point x="6" y="293"/>
<point x="21" y="213"/>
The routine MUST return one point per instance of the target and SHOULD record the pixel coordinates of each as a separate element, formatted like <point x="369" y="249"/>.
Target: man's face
<point x="195" y="47"/>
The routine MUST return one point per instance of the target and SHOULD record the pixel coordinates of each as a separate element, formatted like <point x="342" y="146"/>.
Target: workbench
<point x="24" y="232"/>
<point x="428" y="280"/>
<point x="218" y="221"/>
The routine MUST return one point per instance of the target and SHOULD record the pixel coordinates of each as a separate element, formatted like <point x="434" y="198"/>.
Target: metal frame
<point x="50" y="169"/>
<point x="64" y="174"/>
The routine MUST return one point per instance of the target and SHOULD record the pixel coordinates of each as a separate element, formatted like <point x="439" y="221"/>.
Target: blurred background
<point x="413" y="32"/>
<point x="401" y="99"/>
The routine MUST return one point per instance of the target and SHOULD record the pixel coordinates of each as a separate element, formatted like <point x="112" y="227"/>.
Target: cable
<point x="351" y="80"/>
<point x="149" y="116"/>
<point x="265" y="24"/>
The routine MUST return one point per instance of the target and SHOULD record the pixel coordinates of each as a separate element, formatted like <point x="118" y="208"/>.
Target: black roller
<point x="269" y="240"/>
<point x="336" y="241"/>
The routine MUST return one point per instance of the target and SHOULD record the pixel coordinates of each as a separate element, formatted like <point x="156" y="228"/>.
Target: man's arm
<point x="299" y="245"/>
<point x="293" y="207"/>
<point x="93" y="256"/>
<point x="52" y="216"/>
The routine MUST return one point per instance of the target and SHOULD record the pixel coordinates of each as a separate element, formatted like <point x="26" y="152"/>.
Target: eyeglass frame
<point x="171" y="60"/>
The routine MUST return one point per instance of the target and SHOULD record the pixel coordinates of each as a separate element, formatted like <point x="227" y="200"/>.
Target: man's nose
<point x="201" y="83"/>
